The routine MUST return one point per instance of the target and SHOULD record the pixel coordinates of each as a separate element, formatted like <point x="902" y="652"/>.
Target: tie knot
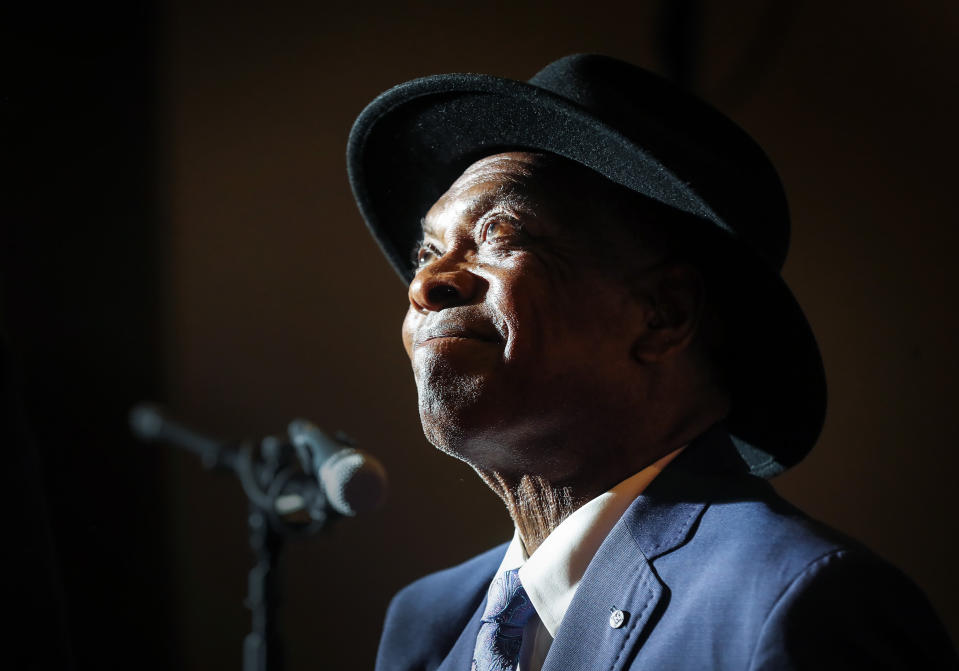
<point x="508" y="604"/>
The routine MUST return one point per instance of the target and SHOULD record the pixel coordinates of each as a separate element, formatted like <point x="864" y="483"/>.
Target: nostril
<point x="441" y="294"/>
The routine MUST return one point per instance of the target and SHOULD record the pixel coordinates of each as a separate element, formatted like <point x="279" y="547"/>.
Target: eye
<point x="500" y="227"/>
<point x="425" y="253"/>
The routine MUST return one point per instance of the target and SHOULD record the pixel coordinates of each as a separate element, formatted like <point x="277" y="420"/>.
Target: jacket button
<point x="617" y="618"/>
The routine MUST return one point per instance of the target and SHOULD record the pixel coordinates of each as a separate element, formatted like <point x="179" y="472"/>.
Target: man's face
<point x="518" y="330"/>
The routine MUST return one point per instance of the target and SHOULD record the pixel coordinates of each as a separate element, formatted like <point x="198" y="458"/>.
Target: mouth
<point x="456" y="332"/>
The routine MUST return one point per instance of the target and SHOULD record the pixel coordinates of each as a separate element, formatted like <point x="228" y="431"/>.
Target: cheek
<point x="523" y="296"/>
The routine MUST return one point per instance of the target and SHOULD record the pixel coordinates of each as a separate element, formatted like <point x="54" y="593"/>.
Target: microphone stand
<point x="261" y="647"/>
<point x="273" y="487"/>
<point x="285" y="500"/>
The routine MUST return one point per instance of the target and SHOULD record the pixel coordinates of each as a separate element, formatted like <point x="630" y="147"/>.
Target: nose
<point x="442" y="284"/>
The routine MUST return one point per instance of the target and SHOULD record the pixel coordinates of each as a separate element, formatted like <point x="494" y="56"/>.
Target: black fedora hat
<point x="643" y="133"/>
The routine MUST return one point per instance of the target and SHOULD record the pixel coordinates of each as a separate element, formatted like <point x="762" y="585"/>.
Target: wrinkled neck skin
<point x="537" y="504"/>
<point x="534" y="503"/>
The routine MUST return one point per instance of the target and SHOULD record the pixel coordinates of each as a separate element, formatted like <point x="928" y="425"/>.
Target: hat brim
<point x="413" y="141"/>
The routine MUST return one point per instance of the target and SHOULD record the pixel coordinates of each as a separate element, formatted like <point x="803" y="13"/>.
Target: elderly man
<point x="598" y="327"/>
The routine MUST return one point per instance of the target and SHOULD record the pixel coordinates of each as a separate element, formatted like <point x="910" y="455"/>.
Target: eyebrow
<point x="506" y="195"/>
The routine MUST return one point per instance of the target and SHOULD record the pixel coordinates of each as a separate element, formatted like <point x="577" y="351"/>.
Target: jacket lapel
<point x="621" y="575"/>
<point x="586" y="639"/>
<point x="460" y="657"/>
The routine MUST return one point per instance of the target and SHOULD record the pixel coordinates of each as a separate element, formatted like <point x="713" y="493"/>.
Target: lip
<point x="455" y="332"/>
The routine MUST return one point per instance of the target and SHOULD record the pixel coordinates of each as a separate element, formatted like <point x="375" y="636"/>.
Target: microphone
<point x="354" y="482"/>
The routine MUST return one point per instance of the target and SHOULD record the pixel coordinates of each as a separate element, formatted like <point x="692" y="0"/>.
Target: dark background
<point x="177" y="225"/>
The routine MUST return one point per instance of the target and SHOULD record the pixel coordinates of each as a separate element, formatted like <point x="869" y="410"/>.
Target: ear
<point x="675" y="300"/>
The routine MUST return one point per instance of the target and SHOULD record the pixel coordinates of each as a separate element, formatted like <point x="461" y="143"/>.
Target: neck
<point x="535" y="505"/>
<point x="538" y="504"/>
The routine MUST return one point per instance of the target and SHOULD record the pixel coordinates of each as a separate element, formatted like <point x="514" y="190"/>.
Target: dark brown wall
<point x="275" y="302"/>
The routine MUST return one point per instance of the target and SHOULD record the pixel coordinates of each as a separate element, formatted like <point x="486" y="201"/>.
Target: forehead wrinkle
<point x="510" y="193"/>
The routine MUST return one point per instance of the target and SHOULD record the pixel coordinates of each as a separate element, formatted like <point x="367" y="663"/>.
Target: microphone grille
<point x="354" y="482"/>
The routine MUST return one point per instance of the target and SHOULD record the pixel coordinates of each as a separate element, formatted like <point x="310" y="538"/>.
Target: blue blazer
<point x="714" y="571"/>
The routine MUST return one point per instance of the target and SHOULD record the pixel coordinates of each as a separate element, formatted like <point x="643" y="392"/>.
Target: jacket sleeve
<point x="850" y="610"/>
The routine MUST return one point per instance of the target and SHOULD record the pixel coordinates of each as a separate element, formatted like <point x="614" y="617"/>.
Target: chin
<point x="479" y="435"/>
<point x="446" y="392"/>
<point x="477" y="416"/>
<point x="456" y="419"/>
<point x="445" y="416"/>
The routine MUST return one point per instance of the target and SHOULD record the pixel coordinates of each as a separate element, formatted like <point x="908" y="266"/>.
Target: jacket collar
<point x="621" y="576"/>
<point x="662" y="517"/>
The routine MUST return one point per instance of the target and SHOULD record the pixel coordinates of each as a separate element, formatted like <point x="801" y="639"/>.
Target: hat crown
<point x="736" y="184"/>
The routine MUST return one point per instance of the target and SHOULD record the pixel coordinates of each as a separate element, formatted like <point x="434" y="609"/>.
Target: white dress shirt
<point x="553" y="573"/>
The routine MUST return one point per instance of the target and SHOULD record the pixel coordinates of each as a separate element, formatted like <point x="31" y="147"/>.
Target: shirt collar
<point x="553" y="573"/>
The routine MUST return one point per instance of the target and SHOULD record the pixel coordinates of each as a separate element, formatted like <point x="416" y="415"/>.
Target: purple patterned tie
<point x="501" y="635"/>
